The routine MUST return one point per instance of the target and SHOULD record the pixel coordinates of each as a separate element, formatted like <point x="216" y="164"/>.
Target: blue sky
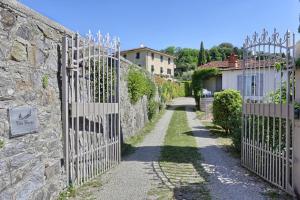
<point x="162" y="23"/>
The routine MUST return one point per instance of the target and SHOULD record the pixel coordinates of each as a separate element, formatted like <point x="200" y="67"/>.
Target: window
<point x="152" y="56"/>
<point x="152" y="68"/>
<point x="161" y="58"/>
<point x="137" y="56"/>
<point x="125" y="56"/>
<point x="253" y="84"/>
<point x="169" y="60"/>
<point x="161" y="70"/>
<point x="169" y="71"/>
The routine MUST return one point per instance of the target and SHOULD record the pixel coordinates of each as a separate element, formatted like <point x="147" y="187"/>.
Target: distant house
<point x="156" y="62"/>
<point x="259" y="81"/>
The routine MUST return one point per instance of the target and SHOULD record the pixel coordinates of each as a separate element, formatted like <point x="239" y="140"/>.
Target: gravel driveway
<point x="132" y="179"/>
<point x="227" y="179"/>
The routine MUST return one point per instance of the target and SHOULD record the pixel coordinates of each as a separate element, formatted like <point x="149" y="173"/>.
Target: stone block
<point x="24" y="31"/>
<point x="8" y="18"/>
<point x="18" y="52"/>
<point x="52" y="169"/>
<point x="20" y="160"/>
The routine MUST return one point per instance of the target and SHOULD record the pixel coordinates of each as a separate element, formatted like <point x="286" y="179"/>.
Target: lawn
<point x="180" y="163"/>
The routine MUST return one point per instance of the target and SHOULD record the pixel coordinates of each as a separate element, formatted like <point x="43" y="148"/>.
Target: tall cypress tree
<point x="202" y="55"/>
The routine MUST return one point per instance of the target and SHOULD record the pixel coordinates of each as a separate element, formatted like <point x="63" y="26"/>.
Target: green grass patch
<point x="200" y="115"/>
<point x="87" y="191"/>
<point x="129" y="145"/>
<point x="180" y="162"/>
<point x="69" y="193"/>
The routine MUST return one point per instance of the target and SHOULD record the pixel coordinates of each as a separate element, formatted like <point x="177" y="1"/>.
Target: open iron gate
<point x="91" y="121"/>
<point x="268" y="107"/>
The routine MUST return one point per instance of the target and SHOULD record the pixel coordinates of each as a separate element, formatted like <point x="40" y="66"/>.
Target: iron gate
<point x="91" y="121"/>
<point x="268" y="107"/>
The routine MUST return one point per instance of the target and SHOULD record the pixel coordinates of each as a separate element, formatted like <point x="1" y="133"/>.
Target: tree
<point x="170" y="50"/>
<point x="226" y="45"/>
<point x="186" y="59"/>
<point x="202" y="55"/>
<point x="215" y="54"/>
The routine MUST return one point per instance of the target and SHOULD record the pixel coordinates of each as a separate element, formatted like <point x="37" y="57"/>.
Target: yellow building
<point x="156" y="62"/>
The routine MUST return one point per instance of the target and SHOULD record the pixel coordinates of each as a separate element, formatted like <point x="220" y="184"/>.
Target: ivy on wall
<point x="197" y="81"/>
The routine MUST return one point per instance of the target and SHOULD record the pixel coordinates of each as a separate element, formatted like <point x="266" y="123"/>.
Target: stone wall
<point x="133" y="117"/>
<point x="31" y="166"/>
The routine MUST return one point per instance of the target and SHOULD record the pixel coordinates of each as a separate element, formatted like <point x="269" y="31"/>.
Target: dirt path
<point x="227" y="179"/>
<point x="132" y="179"/>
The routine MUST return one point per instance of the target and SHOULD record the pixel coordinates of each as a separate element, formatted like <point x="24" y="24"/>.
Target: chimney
<point x="233" y="61"/>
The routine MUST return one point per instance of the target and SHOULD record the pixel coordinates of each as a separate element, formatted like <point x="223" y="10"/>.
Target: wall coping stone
<point x="28" y="12"/>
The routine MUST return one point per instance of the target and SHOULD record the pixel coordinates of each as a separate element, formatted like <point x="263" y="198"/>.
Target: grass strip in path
<point x="131" y="143"/>
<point x="180" y="163"/>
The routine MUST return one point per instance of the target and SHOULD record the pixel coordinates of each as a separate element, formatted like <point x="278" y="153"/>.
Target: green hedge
<point x="139" y="84"/>
<point x="227" y="113"/>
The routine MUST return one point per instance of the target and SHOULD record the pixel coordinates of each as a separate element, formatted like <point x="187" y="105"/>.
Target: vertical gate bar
<point x="269" y="111"/>
<point x="72" y="120"/>
<point x="65" y="109"/>
<point x="77" y="109"/>
<point x="102" y="114"/>
<point x="274" y="116"/>
<point x="99" y="134"/>
<point x="89" y="107"/>
<point x="92" y="106"/>
<point x="287" y="138"/>
<point x="253" y="105"/>
<point x="118" y="90"/>
<point x="263" y="112"/>
<point x="279" y="150"/>
<point x="107" y="100"/>
<point x="83" y="105"/>
<point x="259" y="111"/>
<point x="102" y="103"/>
<point x="243" y="110"/>
<point x="115" y="99"/>
<point x="111" y="102"/>
<point x="293" y="105"/>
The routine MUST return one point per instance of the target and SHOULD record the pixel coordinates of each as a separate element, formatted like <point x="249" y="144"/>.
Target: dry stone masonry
<point x="32" y="165"/>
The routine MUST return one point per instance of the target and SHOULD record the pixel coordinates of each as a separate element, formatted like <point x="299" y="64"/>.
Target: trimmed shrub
<point x="227" y="113"/>
<point x="227" y="109"/>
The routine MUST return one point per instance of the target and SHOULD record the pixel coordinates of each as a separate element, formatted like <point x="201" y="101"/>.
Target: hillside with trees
<point x="187" y="59"/>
